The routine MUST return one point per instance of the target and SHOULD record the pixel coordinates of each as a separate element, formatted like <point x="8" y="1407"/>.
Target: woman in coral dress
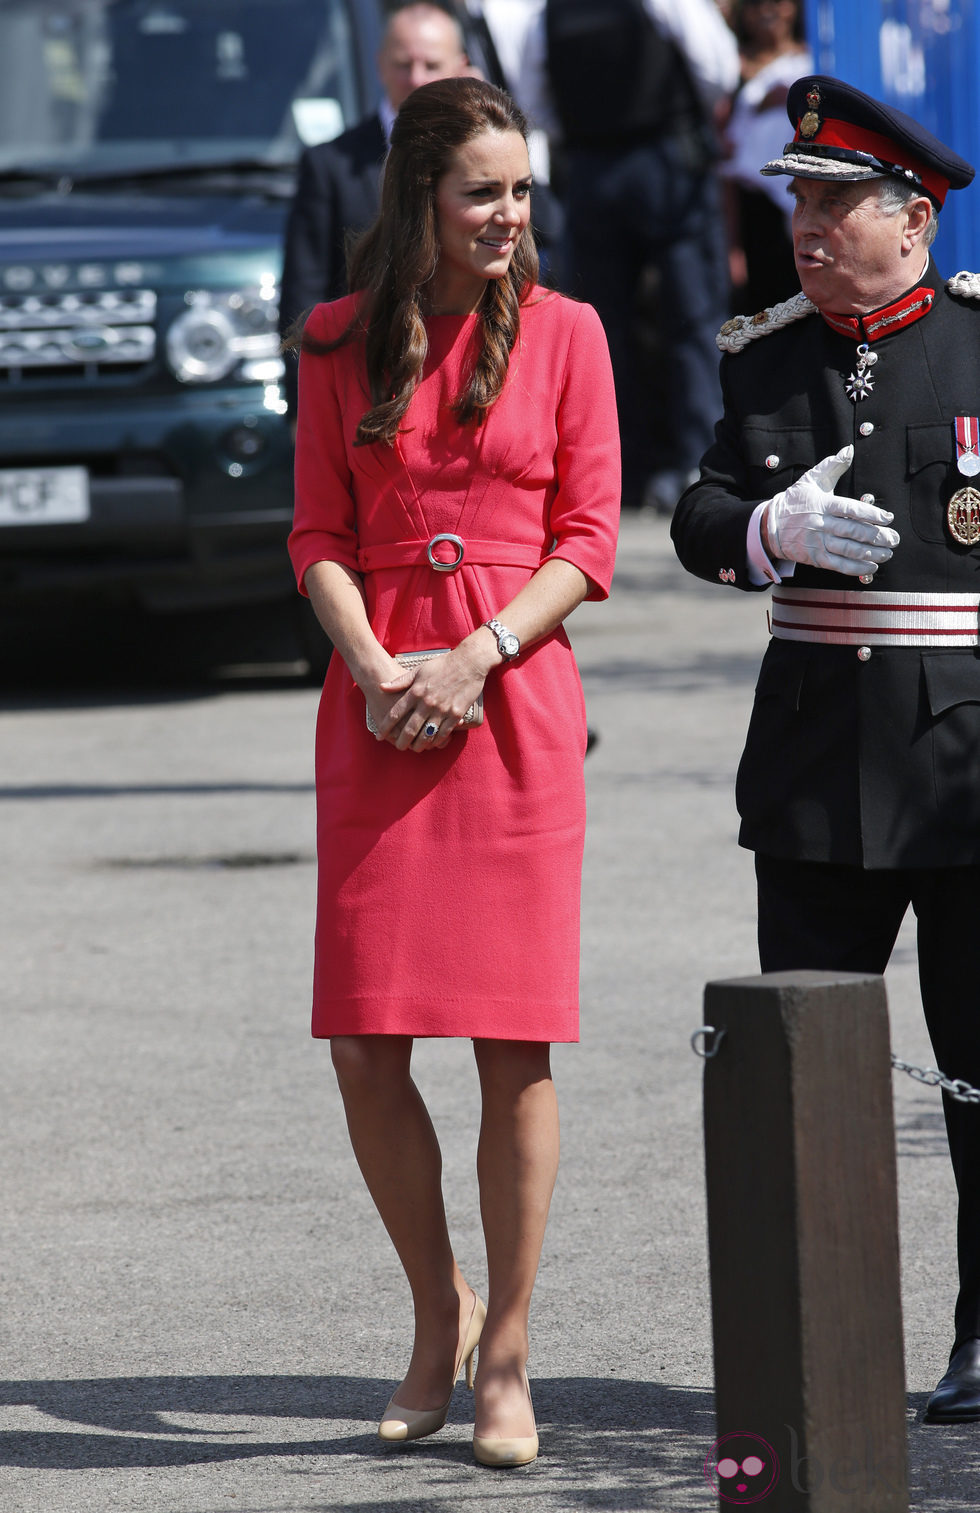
<point x="457" y="487"/>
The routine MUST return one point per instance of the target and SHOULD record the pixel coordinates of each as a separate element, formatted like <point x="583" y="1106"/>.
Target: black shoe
<point x="956" y="1400"/>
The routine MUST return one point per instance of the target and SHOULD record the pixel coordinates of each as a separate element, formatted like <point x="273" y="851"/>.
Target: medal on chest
<point x="965" y="430"/>
<point x="871" y="328"/>
<point x="861" y="382"/>
<point x="963" y="516"/>
<point x="963" y="510"/>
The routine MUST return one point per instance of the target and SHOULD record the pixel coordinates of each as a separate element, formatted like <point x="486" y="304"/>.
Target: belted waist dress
<point x="448" y="882"/>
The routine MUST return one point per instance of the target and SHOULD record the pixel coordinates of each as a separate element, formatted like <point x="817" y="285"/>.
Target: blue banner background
<point x="922" y="56"/>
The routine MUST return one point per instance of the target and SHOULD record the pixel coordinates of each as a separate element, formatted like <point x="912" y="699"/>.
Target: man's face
<point x="851" y="256"/>
<point x="421" y="44"/>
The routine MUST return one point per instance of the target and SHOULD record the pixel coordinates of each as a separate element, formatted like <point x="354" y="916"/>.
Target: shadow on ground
<point x="606" y="1444"/>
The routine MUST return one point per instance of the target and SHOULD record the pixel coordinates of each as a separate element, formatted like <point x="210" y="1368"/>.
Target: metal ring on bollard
<point x="704" y="1032"/>
<point x="458" y="543"/>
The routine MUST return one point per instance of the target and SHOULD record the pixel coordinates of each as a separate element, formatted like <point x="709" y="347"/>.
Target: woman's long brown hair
<point x="393" y="262"/>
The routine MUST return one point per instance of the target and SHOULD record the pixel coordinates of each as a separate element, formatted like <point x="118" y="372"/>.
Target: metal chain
<point x="706" y="1043"/>
<point x="932" y="1077"/>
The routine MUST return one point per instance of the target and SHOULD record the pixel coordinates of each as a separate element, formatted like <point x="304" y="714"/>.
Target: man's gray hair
<point x="893" y="196"/>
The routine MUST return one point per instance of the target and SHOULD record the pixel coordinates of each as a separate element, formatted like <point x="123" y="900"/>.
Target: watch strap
<point x="500" y="632"/>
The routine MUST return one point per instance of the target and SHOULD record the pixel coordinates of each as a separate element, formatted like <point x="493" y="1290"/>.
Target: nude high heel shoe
<point x="400" y="1424"/>
<point x="508" y="1452"/>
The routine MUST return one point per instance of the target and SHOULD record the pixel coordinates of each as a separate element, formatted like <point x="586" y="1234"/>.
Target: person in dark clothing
<point x="635" y="86"/>
<point x="859" y="785"/>
<point x="339" y="182"/>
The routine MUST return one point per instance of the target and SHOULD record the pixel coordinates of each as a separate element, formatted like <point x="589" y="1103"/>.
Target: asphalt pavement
<point x="200" y="1310"/>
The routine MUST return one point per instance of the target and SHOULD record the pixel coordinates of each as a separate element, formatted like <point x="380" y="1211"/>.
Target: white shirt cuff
<point x="760" y="570"/>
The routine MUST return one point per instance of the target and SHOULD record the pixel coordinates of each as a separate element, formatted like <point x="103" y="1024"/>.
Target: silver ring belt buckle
<point x="446" y="567"/>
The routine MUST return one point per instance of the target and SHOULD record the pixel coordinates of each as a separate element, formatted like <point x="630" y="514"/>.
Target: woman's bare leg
<point x="399" y="1157"/>
<point x="517" y="1162"/>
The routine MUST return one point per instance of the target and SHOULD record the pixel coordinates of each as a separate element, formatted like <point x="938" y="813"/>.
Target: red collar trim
<point x="831" y="133"/>
<point x="878" y="323"/>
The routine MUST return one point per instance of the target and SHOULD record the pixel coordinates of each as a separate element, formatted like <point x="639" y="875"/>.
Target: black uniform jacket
<point x="875" y="763"/>
<point x="338" y="190"/>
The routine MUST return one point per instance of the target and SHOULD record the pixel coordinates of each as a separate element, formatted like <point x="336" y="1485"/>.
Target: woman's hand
<point x="382" y="691"/>
<point x="433" y="697"/>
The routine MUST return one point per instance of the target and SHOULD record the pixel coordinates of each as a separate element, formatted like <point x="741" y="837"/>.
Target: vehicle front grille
<point x="76" y="333"/>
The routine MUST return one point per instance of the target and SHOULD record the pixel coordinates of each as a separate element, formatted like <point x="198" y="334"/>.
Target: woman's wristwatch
<point x="507" y="643"/>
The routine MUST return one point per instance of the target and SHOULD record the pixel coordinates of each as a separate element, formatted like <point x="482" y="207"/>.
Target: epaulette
<point x="743" y="329"/>
<point x="966" y="285"/>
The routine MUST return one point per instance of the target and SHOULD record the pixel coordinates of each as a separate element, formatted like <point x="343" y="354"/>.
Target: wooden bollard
<point x="803" y="1244"/>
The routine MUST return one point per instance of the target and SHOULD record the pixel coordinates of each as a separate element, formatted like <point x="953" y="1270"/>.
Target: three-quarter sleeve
<point x="324" y="527"/>
<point x="585" y="510"/>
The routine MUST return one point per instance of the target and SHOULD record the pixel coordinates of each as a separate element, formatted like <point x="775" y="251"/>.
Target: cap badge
<point x="811" y="122"/>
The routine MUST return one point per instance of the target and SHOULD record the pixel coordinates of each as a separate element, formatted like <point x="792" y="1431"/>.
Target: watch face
<point x="509" y="645"/>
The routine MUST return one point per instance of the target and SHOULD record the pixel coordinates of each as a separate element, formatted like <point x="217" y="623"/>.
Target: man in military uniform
<point x="844" y="474"/>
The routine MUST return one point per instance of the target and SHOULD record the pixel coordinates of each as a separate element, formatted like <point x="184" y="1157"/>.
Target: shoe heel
<point x="472" y="1340"/>
<point x="400" y="1424"/>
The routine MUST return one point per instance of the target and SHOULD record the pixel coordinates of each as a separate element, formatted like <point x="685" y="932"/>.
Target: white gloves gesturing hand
<point x="810" y="523"/>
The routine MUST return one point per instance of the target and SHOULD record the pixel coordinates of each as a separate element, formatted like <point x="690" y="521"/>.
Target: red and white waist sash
<point x="869" y="617"/>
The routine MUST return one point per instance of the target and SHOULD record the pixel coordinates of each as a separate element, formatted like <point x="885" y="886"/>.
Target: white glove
<point x="810" y="523"/>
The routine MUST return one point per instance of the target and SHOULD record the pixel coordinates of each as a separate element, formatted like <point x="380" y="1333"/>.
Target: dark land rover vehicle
<point x="147" y="152"/>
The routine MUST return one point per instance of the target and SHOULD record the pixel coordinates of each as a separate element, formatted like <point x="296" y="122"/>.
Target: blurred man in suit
<point x="339" y="182"/>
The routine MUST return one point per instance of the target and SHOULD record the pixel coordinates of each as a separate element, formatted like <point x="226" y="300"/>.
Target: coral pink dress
<point x="449" y="882"/>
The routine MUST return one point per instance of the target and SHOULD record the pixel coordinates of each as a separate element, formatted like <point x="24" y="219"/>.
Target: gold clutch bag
<point x="473" y="716"/>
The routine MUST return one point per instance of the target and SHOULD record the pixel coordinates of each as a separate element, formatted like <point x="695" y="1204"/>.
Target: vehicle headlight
<point x="222" y="334"/>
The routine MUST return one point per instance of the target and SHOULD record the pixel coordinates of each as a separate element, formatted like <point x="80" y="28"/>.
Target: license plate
<point x="43" y="496"/>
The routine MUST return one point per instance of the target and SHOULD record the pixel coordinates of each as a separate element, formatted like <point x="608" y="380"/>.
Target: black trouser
<point x="844" y="919"/>
<point x="657" y="204"/>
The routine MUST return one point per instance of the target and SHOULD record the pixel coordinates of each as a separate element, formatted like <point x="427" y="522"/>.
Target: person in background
<point x="457" y="486"/>
<point x="773" y="54"/>
<point x="859" y="785"/>
<point x="507" y="38"/>
<point x="339" y="182"/>
<point x="637" y="86"/>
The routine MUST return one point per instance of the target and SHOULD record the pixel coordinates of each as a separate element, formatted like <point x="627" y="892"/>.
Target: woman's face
<point x="483" y="204"/>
